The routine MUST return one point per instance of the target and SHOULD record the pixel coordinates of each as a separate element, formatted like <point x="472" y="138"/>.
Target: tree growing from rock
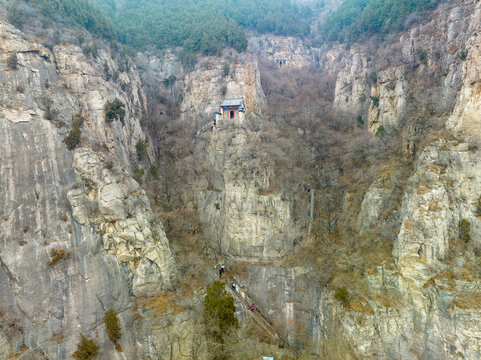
<point x="141" y="148"/>
<point x="87" y="349"/>
<point x="219" y="310"/>
<point x="226" y="68"/>
<point x="74" y="137"/>
<point x="114" y="110"/>
<point x="342" y="295"/>
<point x="465" y="230"/>
<point x="112" y="324"/>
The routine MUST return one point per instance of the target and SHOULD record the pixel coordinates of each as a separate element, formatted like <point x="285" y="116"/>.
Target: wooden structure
<point x="231" y="109"/>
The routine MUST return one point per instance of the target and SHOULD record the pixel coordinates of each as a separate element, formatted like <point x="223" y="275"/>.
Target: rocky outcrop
<point x="433" y="287"/>
<point x="286" y="52"/>
<point x="211" y="82"/>
<point x="243" y="214"/>
<point x="82" y="204"/>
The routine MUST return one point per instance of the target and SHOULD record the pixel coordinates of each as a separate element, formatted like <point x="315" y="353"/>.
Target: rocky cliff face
<point x="435" y="279"/>
<point x="83" y="202"/>
<point x="413" y="283"/>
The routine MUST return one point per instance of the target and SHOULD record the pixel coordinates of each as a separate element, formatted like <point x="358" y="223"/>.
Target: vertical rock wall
<point x="83" y="202"/>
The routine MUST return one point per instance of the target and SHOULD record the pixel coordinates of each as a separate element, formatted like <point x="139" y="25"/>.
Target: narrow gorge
<point x="345" y="203"/>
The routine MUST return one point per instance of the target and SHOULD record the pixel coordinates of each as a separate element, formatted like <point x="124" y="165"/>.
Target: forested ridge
<point x="203" y="25"/>
<point x="367" y="17"/>
<point x="208" y="26"/>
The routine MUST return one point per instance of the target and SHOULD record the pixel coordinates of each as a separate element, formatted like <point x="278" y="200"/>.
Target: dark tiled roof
<point x="233" y="102"/>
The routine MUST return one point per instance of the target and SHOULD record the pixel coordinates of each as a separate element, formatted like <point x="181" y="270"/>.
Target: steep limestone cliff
<point x="82" y="201"/>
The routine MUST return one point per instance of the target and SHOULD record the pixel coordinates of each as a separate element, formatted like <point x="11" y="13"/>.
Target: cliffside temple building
<point x="231" y="109"/>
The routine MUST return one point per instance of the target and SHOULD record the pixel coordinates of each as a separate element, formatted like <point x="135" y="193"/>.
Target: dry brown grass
<point x="384" y="300"/>
<point x="444" y="280"/>
<point x="58" y="338"/>
<point x="360" y="305"/>
<point x="435" y="207"/>
<point x="58" y="255"/>
<point x="23" y="349"/>
<point x="270" y="191"/>
<point x="429" y="283"/>
<point x="409" y="224"/>
<point x="161" y="304"/>
<point x="467" y="301"/>
<point x="423" y="188"/>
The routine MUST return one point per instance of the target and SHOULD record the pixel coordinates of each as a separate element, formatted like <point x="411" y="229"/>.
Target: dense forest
<point x="203" y="25"/>
<point x="208" y="26"/>
<point x="358" y="17"/>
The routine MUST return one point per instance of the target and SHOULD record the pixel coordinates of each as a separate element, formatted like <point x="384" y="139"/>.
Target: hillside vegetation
<point x="203" y="25"/>
<point x="357" y="17"/>
<point x="80" y="11"/>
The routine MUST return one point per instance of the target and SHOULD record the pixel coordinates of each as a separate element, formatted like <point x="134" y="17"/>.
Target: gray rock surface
<point x="51" y="198"/>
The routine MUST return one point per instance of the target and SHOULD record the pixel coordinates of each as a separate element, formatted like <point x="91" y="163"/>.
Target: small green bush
<point x="375" y="100"/>
<point x="462" y="55"/>
<point x="145" y="120"/>
<point x="112" y="324"/>
<point x="380" y="131"/>
<point x="371" y="78"/>
<point x="58" y="255"/>
<point x="73" y="138"/>
<point x="170" y="81"/>
<point x="114" y="110"/>
<point x="80" y="37"/>
<point x="465" y="230"/>
<point x="107" y="73"/>
<point x="50" y="113"/>
<point x="226" y="69"/>
<point x="86" y="349"/>
<point x="77" y="121"/>
<point x="154" y="172"/>
<point x="139" y="175"/>
<point x="141" y="148"/>
<point x="12" y="61"/>
<point x="188" y="59"/>
<point x="422" y="56"/>
<point x="360" y="121"/>
<point x="391" y="85"/>
<point x="91" y="50"/>
<point x="342" y="295"/>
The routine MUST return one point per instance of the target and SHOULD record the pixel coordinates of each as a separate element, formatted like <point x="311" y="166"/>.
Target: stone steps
<point x="256" y="315"/>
